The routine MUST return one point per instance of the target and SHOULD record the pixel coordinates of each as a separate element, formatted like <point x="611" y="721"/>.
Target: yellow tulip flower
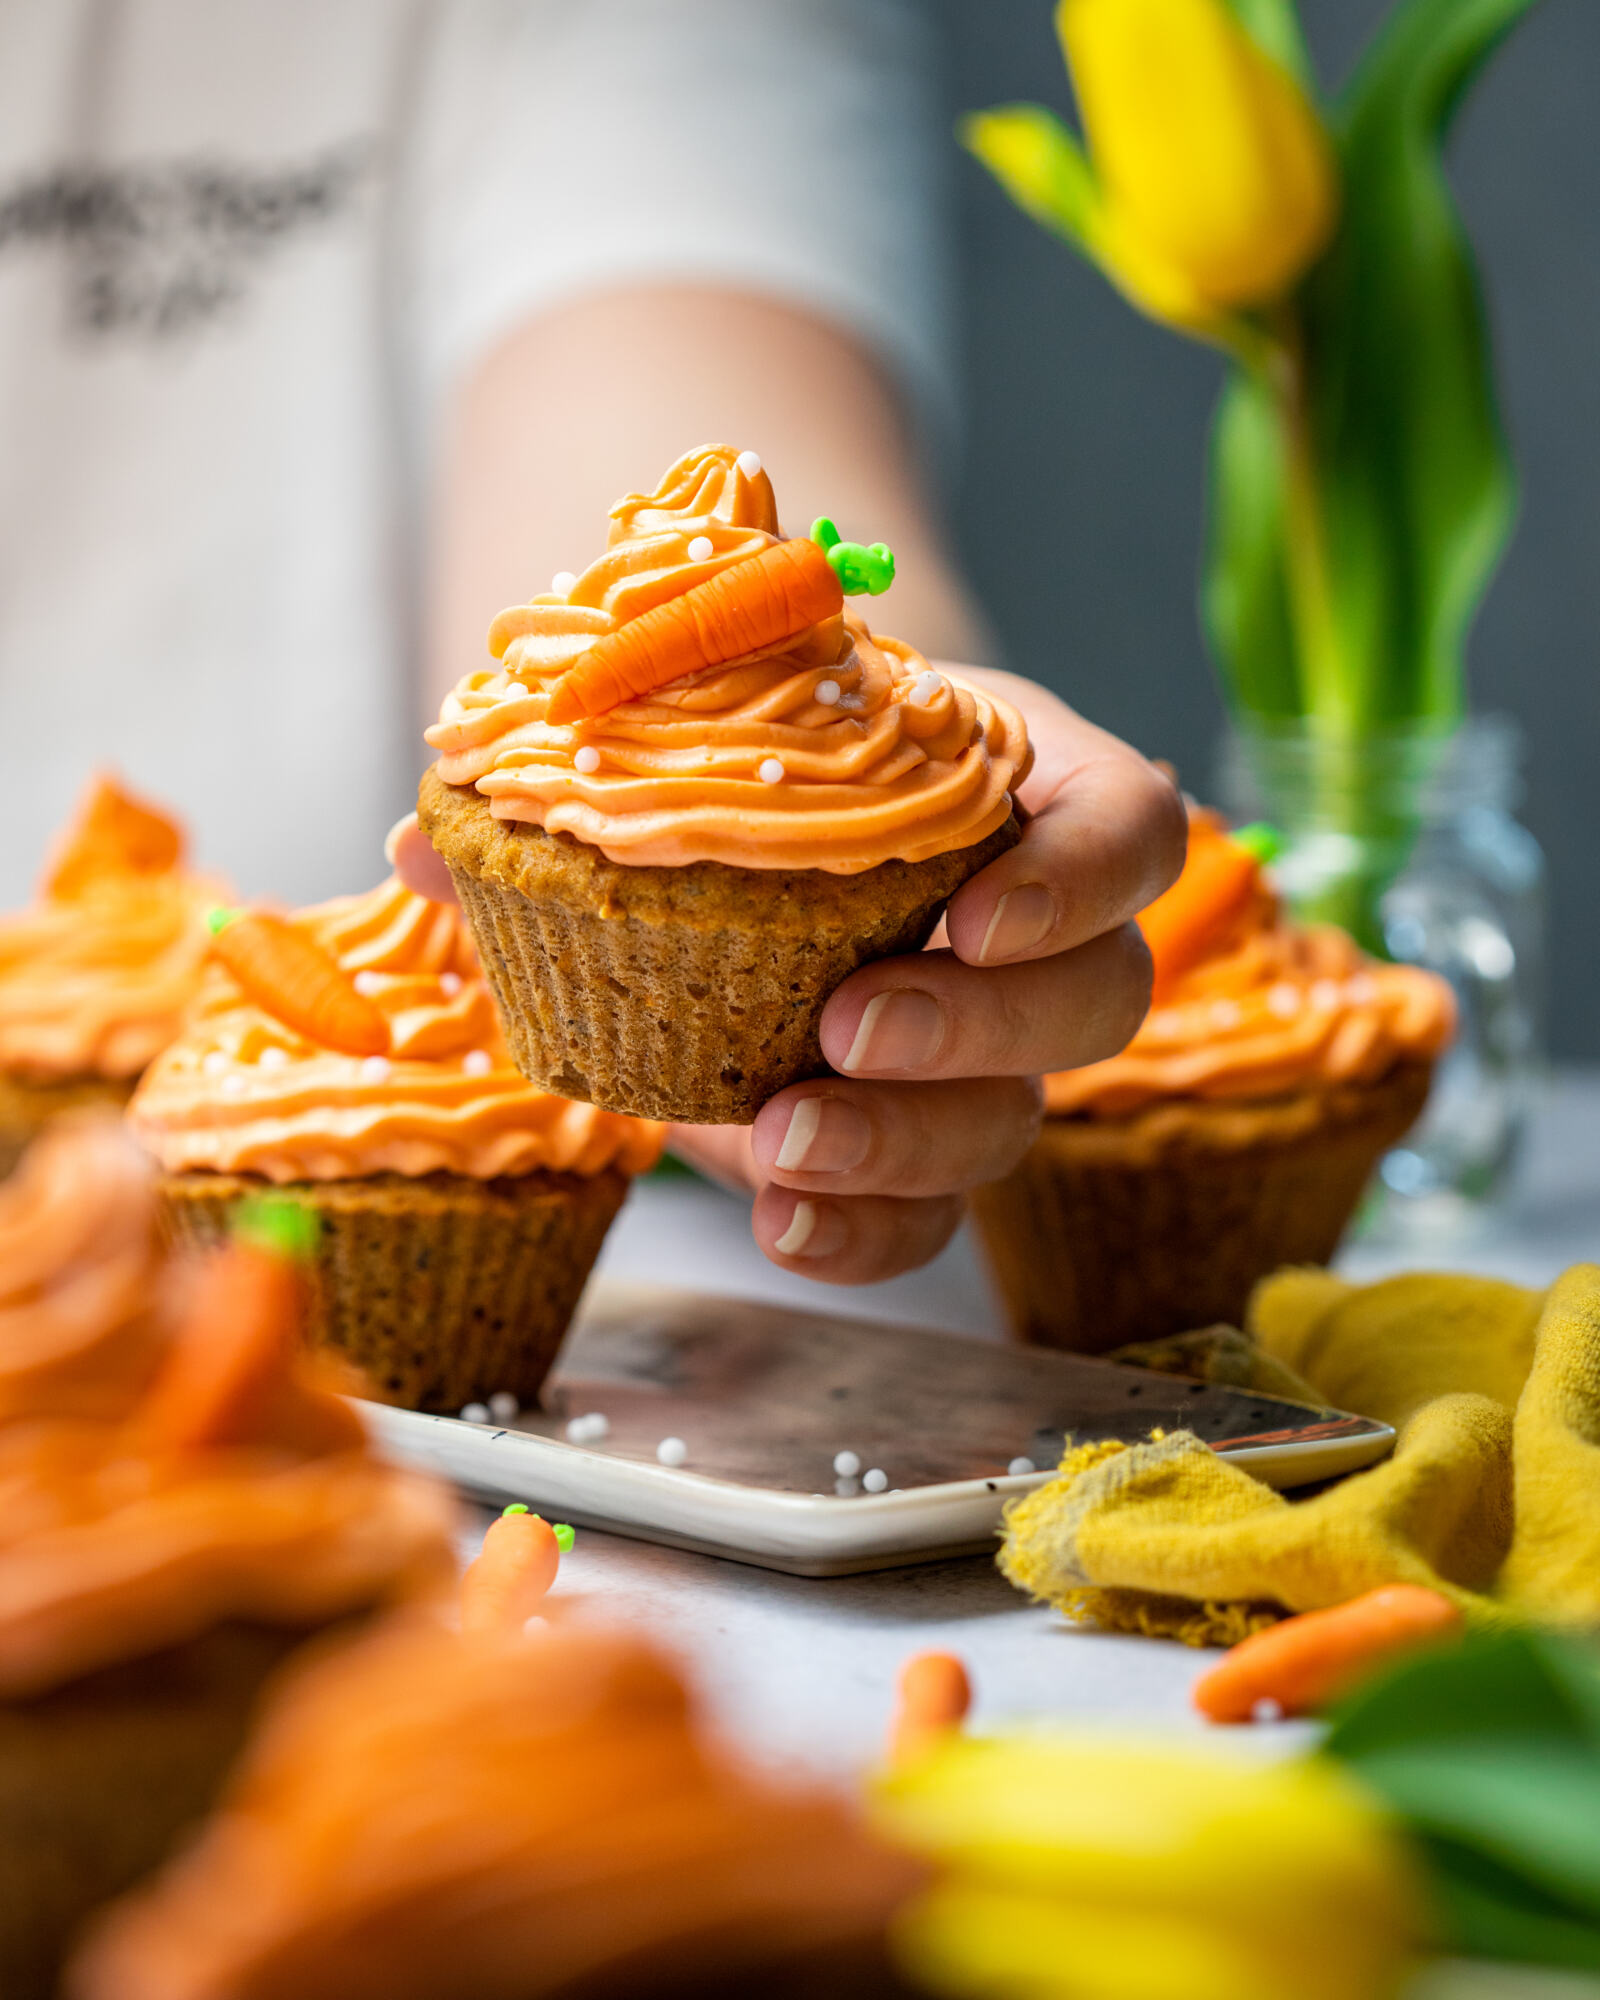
<point x="1210" y="185"/>
<point x="1070" y="1867"/>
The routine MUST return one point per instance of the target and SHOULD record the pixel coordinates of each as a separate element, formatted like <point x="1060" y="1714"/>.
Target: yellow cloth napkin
<point x="1492" y="1494"/>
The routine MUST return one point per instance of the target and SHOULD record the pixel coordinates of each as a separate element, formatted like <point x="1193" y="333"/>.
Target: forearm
<point x="596" y="398"/>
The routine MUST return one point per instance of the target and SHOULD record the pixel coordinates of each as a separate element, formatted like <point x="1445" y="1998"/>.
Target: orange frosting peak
<point x="424" y="1813"/>
<point x="245" y="1091"/>
<point x="1250" y="1005"/>
<point x="170" y="1458"/>
<point x="95" y="977"/>
<point x="829" y="748"/>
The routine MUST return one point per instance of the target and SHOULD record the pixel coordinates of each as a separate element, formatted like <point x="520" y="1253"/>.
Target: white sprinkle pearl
<point x="771" y="772"/>
<point x="846" y="1464"/>
<point x="827" y="692"/>
<point x="926" y="688"/>
<point x="700" y="549"/>
<point x="375" y="1069"/>
<point x="874" y="1481"/>
<point x="749" y="463"/>
<point x="503" y="1406"/>
<point x="1225" y="1014"/>
<point x="233" y="1086"/>
<point x="474" y="1413"/>
<point x="1267" y="1710"/>
<point x="589" y="1429"/>
<point x="449" y="984"/>
<point x="587" y="760"/>
<point x="215" y="1063"/>
<point x="367" y="983"/>
<point x="563" y="583"/>
<point x="672" y="1451"/>
<point x="1326" y="994"/>
<point x="1019" y="1466"/>
<point x="1284" y="1000"/>
<point x="477" y="1062"/>
<point x="1362" y="990"/>
<point x="274" y="1058"/>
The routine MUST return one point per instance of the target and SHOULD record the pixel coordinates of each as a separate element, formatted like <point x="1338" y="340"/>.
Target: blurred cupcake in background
<point x="349" y="1055"/>
<point x="692" y="793"/>
<point x="1232" y="1136"/>
<point x="95" y="976"/>
<point x="184" y="1500"/>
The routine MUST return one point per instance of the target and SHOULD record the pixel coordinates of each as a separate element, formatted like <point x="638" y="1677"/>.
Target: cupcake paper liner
<point x="688" y="993"/>
<point x="102" y="1779"/>
<point x="442" y="1290"/>
<point x="1132" y="1229"/>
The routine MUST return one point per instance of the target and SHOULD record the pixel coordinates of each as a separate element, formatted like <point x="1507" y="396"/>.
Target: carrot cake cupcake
<point x="95" y="976"/>
<point x="350" y="1056"/>
<point x="1232" y="1136"/>
<point x="693" y="794"/>
<point x="431" y="1814"/>
<point x="183" y="1501"/>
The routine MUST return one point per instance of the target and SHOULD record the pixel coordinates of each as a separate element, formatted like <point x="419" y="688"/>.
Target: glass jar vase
<point x="1411" y="841"/>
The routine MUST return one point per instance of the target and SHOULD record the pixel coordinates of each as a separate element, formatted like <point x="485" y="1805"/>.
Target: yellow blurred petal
<point x="1209" y="156"/>
<point x="1038" y="162"/>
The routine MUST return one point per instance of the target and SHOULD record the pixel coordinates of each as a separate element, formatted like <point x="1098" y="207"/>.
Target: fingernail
<point x="899" y="1030"/>
<point x="815" y="1230"/>
<point x="1022" y="918"/>
<point x="825" y="1136"/>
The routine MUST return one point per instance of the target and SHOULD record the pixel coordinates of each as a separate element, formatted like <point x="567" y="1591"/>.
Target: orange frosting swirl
<point x="837" y="750"/>
<point x="242" y="1092"/>
<point x="96" y="975"/>
<point x="1265" y="1009"/>
<point x="121" y="1535"/>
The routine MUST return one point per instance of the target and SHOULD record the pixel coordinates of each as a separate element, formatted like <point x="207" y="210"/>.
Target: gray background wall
<point x="1077" y="501"/>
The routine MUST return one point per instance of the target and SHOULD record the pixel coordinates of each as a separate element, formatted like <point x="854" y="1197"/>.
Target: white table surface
<point x="801" y="1669"/>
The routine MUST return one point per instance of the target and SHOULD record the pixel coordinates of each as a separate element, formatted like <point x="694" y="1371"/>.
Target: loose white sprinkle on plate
<point x="474" y="1413"/>
<point x="1284" y="1000"/>
<point x="846" y="1464"/>
<point x="1018" y="1466"/>
<point x="214" y="1063"/>
<point x="875" y="1481"/>
<point x="1267" y="1710"/>
<point x="503" y="1406"/>
<point x="700" y="549"/>
<point x="274" y="1058"/>
<point x="449" y="984"/>
<point x="563" y="583"/>
<point x="770" y="771"/>
<point x="749" y="463"/>
<point x="375" y="1069"/>
<point x="586" y="760"/>
<point x="827" y="692"/>
<point x="672" y="1451"/>
<point x="477" y="1062"/>
<point x="367" y="983"/>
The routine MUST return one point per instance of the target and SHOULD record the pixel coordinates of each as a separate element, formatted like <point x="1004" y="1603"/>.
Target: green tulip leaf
<point x="1040" y="164"/>
<point x="1490" y="1755"/>
<point x="1412" y="483"/>
<point x="1275" y="27"/>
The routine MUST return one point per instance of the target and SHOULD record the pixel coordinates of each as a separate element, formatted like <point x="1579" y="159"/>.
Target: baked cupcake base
<point x="26" y="1106"/>
<point x="101" y="1780"/>
<point x="440" y="1288"/>
<point x="689" y="993"/>
<point x="1124" y="1229"/>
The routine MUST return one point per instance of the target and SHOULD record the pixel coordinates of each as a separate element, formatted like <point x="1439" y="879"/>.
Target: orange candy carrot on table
<point x="933" y="1696"/>
<point x="509" y="1579"/>
<point x="761" y="601"/>
<point x="1301" y="1664"/>
<point x="295" y="980"/>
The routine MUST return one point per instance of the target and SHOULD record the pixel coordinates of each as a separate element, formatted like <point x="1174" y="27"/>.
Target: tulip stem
<point x="1328" y="698"/>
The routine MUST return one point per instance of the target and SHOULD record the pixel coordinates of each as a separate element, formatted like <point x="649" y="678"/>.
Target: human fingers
<point x="854" y="1242"/>
<point x="899" y="1139"/>
<point x="418" y="863"/>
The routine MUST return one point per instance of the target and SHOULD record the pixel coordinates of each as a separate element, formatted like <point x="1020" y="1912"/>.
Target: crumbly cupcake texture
<point x="666" y="889"/>
<point x="1232" y="1136"/>
<point x="460" y="1208"/>
<point x="96" y="974"/>
<point x="152" y="1574"/>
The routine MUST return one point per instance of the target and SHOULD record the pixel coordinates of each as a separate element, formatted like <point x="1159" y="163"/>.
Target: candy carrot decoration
<point x="758" y="602"/>
<point x="934" y="1696"/>
<point x="1219" y="877"/>
<point x="503" y="1587"/>
<point x="1305" y="1662"/>
<point x="296" y="981"/>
